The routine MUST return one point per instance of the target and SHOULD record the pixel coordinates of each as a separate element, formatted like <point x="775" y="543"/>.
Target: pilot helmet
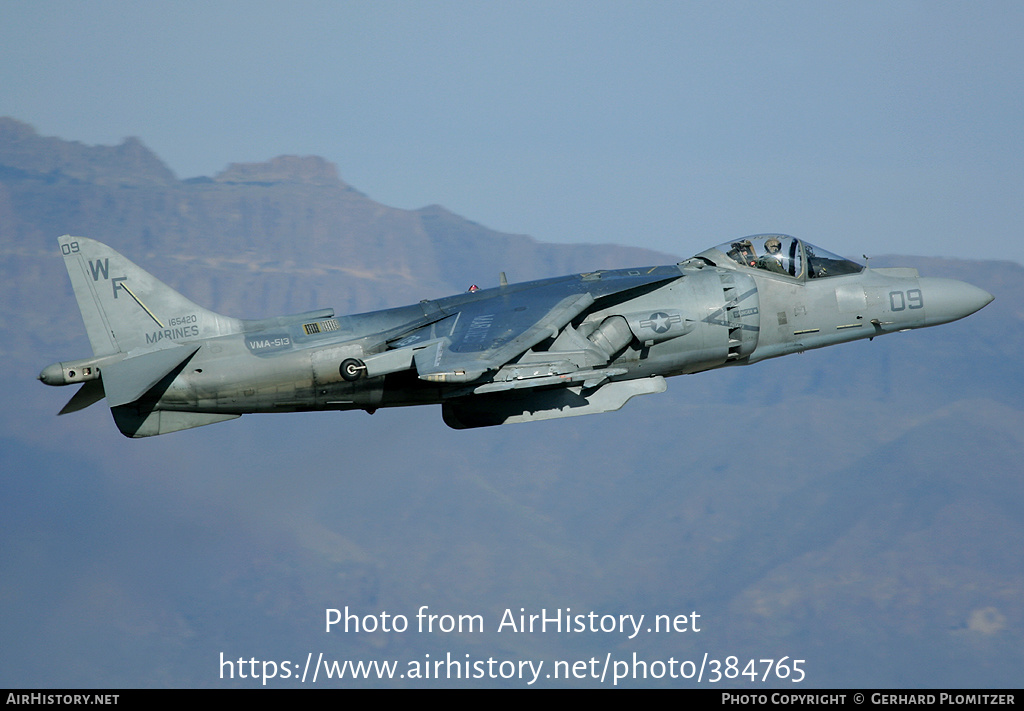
<point x="772" y="244"/>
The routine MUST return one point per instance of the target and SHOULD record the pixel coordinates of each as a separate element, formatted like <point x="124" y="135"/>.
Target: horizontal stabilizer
<point x="90" y="392"/>
<point x="519" y="406"/>
<point x="134" y="421"/>
<point x="128" y="380"/>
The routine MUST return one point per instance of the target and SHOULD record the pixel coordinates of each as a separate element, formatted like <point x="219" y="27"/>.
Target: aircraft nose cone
<point x="947" y="300"/>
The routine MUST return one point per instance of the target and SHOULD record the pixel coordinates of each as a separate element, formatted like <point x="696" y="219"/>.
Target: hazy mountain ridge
<point x="858" y="506"/>
<point x="26" y="156"/>
<point x="290" y="212"/>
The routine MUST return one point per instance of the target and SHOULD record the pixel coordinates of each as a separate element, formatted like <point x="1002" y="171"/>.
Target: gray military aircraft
<point x="570" y="345"/>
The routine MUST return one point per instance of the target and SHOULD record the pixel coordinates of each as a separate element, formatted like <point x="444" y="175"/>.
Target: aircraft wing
<point x="488" y="329"/>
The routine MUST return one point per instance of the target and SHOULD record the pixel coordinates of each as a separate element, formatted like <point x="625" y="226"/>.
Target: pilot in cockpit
<point x="771" y="260"/>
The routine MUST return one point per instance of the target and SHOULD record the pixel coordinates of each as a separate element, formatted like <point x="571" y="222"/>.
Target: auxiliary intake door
<point x="740" y="313"/>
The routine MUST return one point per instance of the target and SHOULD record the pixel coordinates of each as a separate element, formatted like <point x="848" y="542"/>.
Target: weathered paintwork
<point x="571" y="345"/>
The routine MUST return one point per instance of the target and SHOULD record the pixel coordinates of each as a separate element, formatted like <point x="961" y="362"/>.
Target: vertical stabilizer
<point x="126" y="308"/>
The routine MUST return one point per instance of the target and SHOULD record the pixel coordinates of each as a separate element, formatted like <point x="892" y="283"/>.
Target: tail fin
<point x="125" y="308"/>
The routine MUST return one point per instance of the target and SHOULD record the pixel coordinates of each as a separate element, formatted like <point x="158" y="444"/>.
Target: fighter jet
<point x="558" y="347"/>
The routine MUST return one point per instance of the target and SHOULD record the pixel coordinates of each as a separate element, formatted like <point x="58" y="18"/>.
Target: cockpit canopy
<point x="781" y="254"/>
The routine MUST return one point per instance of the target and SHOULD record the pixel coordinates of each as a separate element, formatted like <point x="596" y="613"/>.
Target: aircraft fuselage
<point x="535" y="350"/>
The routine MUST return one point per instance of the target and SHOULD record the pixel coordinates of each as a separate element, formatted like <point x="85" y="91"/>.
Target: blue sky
<point x="864" y="127"/>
